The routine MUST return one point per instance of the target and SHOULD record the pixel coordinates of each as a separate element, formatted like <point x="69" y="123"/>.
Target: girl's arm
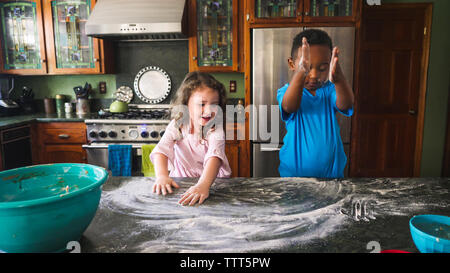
<point x="163" y="182"/>
<point x="200" y="191"/>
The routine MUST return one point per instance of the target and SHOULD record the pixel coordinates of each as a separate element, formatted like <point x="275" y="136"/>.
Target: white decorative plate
<point x="152" y="84"/>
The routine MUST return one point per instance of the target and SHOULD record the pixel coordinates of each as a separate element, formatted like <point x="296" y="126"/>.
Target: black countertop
<point x="264" y="215"/>
<point x="13" y="121"/>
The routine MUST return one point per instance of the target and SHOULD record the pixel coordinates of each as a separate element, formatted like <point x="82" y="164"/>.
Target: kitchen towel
<point x="119" y="160"/>
<point x="147" y="166"/>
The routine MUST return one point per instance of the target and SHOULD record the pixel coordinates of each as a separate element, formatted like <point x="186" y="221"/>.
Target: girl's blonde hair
<point x="192" y="82"/>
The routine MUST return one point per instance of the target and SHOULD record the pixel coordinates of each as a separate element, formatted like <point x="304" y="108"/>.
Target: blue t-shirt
<point x="312" y="145"/>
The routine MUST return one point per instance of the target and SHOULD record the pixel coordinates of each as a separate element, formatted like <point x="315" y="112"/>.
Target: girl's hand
<point x="199" y="193"/>
<point x="304" y="63"/>
<point x="336" y="74"/>
<point x="163" y="184"/>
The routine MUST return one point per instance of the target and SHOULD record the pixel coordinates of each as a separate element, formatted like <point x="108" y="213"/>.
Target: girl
<point x="193" y="144"/>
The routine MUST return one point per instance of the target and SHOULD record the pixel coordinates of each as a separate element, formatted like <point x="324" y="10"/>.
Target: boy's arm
<point x="344" y="93"/>
<point x="293" y="96"/>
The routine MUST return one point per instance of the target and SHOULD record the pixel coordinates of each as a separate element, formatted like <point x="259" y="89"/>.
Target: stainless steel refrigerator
<point x="271" y="48"/>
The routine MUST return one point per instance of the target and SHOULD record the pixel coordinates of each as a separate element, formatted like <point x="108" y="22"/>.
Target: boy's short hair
<point x="314" y="37"/>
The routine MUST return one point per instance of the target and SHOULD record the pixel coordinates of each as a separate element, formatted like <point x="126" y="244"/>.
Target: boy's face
<point x="320" y="56"/>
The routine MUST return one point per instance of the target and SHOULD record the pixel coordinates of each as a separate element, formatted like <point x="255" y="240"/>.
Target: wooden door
<point x="390" y="82"/>
<point x="70" y="153"/>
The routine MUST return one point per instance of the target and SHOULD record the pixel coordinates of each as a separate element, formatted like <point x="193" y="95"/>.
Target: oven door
<point x="97" y="154"/>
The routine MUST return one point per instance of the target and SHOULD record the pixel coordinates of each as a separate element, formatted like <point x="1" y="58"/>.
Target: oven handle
<point x="138" y="147"/>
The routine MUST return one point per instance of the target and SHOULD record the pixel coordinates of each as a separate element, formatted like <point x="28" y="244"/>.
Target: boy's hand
<point x="163" y="184"/>
<point x="304" y="63"/>
<point x="199" y="193"/>
<point x="336" y="74"/>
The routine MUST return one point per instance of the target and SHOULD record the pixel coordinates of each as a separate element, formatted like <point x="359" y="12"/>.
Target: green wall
<point x="50" y="85"/>
<point x="437" y="88"/>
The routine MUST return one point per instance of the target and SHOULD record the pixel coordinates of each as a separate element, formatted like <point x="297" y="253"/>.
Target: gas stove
<point x="141" y="123"/>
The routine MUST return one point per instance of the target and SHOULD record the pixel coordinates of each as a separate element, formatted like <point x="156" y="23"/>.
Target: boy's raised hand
<point x="304" y="63"/>
<point x="336" y="74"/>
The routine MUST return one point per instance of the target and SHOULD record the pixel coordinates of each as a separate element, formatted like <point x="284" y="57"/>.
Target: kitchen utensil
<point x="118" y="107"/>
<point x="82" y="92"/>
<point x="152" y="84"/>
<point x="44" y="207"/>
<point x="431" y="233"/>
<point x="124" y="93"/>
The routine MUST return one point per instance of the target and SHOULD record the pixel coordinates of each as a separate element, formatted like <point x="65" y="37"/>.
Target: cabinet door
<point x="69" y="49"/>
<point x="274" y="11"/>
<point x="22" y="38"/>
<point x="213" y="43"/>
<point x="232" y="153"/>
<point x="70" y="153"/>
<point x="331" y="10"/>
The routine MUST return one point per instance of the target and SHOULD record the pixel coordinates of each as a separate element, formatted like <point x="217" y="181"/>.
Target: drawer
<point x="63" y="136"/>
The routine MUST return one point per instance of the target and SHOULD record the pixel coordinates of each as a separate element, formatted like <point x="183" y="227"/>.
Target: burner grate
<point x="158" y="114"/>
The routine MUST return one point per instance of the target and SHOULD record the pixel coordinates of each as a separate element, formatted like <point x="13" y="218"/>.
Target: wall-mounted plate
<point x="152" y="84"/>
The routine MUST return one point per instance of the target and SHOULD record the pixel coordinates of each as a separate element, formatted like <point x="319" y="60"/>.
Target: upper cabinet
<point x="22" y="38"/>
<point x="67" y="49"/>
<point x="214" y="30"/>
<point x="307" y="11"/>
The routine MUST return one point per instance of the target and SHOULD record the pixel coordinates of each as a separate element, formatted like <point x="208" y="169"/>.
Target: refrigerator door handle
<point x="269" y="149"/>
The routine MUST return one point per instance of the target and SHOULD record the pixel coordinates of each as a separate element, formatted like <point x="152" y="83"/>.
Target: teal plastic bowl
<point x="431" y="233"/>
<point x="43" y="207"/>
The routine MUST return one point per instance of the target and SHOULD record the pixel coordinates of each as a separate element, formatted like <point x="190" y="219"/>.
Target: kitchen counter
<point x="264" y="215"/>
<point x="7" y="122"/>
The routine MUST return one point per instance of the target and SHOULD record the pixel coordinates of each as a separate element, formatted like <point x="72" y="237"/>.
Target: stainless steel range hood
<point x="138" y="20"/>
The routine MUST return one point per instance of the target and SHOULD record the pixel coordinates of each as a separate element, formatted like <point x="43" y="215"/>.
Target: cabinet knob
<point x="63" y="136"/>
<point x="412" y="112"/>
<point x="194" y="58"/>
<point x="43" y="61"/>
<point x="96" y="60"/>
<point x="306" y="13"/>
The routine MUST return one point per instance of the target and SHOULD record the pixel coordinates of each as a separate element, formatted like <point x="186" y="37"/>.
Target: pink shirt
<point x="188" y="154"/>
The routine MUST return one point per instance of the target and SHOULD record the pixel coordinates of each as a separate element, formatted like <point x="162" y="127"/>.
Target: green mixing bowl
<point x="44" y="207"/>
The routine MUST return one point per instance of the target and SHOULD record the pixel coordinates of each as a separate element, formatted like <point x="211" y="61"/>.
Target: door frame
<point x="428" y="9"/>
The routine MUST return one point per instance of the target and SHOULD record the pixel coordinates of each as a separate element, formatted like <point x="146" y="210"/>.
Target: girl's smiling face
<point x="203" y="105"/>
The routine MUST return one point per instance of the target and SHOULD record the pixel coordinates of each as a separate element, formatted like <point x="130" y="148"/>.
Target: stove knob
<point x="133" y="134"/>
<point x="161" y="133"/>
<point x="93" y="134"/>
<point x="102" y="134"/>
<point x="144" y="134"/>
<point x="154" y="134"/>
<point x="112" y="134"/>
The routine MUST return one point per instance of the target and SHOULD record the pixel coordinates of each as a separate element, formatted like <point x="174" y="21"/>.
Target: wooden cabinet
<point x="279" y="12"/>
<point x="237" y="152"/>
<point x="48" y="37"/>
<point x="214" y="35"/>
<point x="61" y="142"/>
<point x="22" y="38"/>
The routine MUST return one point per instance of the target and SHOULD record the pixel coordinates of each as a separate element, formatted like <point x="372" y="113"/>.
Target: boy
<point x="308" y="104"/>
